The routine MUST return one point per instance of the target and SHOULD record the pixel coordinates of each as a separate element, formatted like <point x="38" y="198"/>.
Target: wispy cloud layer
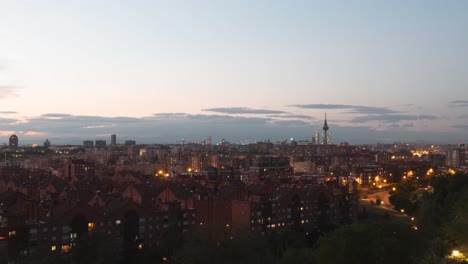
<point x="171" y="127"/>
<point x="458" y="103"/>
<point x="291" y="116"/>
<point x="8" y="91"/>
<point x="392" y="118"/>
<point x="352" y="109"/>
<point x="242" y="110"/>
<point x="463" y="127"/>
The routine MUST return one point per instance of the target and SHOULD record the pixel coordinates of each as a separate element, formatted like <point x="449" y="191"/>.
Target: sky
<point x="245" y="71"/>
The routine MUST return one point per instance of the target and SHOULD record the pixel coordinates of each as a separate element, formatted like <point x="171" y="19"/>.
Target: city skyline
<point x="243" y="71"/>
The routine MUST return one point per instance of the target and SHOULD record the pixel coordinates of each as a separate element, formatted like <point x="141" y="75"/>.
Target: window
<point x="65" y="248"/>
<point x="53" y="248"/>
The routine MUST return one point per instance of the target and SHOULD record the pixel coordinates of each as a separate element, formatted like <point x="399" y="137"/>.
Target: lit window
<point x="118" y="222"/>
<point x="90" y="227"/>
<point x="66" y="248"/>
<point x="53" y="248"/>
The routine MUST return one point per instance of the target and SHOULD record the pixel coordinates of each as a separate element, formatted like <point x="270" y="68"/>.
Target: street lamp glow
<point x="455" y="253"/>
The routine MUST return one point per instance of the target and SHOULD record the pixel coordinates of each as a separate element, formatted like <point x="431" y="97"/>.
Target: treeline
<point x="440" y="213"/>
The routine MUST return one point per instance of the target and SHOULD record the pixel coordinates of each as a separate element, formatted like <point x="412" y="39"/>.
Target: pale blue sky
<point x="406" y="61"/>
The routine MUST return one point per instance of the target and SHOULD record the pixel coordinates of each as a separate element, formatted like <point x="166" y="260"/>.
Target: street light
<point x="455" y="253"/>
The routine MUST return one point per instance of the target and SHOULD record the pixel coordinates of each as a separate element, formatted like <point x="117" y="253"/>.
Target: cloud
<point x="392" y="118"/>
<point x="97" y="126"/>
<point x="324" y="106"/>
<point x="82" y="118"/>
<point x="242" y="110"/>
<point x="398" y="125"/>
<point x="291" y="116"/>
<point x="54" y="115"/>
<point x="32" y="133"/>
<point x="6" y="133"/>
<point x="172" y="127"/>
<point x="160" y="128"/>
<point x="7" y="91"/>
<point x="352" y="109"/>
<point x="458" y="103"/>
<point x="462" y="117"/>
<point x="168" y="115"/>
<point x="8" y="112"/>
<point x="461" y="126"/>
<point x="5" y="122"/>
<point x="290" y="123"/>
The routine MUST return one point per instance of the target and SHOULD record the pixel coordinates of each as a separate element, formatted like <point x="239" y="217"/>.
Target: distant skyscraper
<point x="100" y="143"/>
<point x="46" y="143"/>
<point x="13" y="141"/>
<point x="317" y="138"/>
<point x="129" y="143"/>
<point x="113" y="139"/>
<point x="456" y="157"/>
<point x="326" y="134"/>
<point x="209" y="141"/>
<point x="88" y="144"/>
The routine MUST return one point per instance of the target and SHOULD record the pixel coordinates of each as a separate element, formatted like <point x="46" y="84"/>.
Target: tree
<point x="370" y="243"/>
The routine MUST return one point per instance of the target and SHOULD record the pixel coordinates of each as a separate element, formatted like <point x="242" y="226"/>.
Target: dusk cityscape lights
<point x="187" y="132"/>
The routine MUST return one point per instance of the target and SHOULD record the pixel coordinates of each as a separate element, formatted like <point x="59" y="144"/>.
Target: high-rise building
<point x="78" y="168"/>
<point x="13" y="143"/>
<point x="326" y="134"/>
<point x="100" y="143"/>
<point x="456" y="157"/>
<point x="316" y="139"/>
<point x="129" y="143"/>
<point x="88" y="144"/>
<point x="113" y="139"/>
<point x="194" y="164"/>
<point x="46" y="143"/>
